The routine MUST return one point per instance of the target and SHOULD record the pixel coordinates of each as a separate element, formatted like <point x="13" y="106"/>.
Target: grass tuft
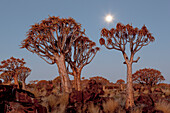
<point x="110" y="106"/>
<point x="163" y="106"/>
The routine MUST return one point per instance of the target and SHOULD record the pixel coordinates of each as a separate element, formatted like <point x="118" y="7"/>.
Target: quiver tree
<point x="10" y="67"/>
<point x="120" y="82"/>
<point x="119" y="38"/>
<point x="7" y="79"/>
<point x="101" y="80"/>
<point x="51" y="40"/>
<point x="82" y="53"/>
<point x="147" y="77"/>
<point x="23" y="73"/>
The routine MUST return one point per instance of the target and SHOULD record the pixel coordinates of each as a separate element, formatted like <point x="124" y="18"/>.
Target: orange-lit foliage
<point x="52" y="37"/>
<point x="123" y="34"/>
<point x="120" y="81"/>
<point x="23" y="73"/>
<point x="149" y="77"/>
<point x="7" y="78"/>
<point x="11" y="67"/>
<point x="42" y="82"/>
<point x="121" y="38"/>
<point x="33" y="82"/>
<point x="57" y="81"/>
<point x="51" y="40"/>
<point x="164" y="85"/>
<point x="100" y="79"/>
<point x="82" y="53"/>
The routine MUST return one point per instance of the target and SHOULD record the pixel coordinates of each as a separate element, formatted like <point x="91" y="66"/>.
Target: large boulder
<point x="13" y="100"/>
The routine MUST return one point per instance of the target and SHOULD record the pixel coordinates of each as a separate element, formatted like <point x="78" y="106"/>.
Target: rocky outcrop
<point x="18" y="101"/>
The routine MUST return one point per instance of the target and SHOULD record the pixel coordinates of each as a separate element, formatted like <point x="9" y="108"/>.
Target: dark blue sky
<point x="17" y="16"/>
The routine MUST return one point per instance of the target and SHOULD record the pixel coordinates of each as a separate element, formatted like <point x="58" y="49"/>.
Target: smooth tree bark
<point x="51" y="40"/>
<point x="120" y="38"/>
<point x="82" y="53"/>
<point x="66" y="84"/>
<point x="10" y="67"/>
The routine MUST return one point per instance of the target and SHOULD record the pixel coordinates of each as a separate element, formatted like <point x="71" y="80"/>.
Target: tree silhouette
<point x="148" y="77"/>
<point x="100" y="79"/>
<point x="10" y="67"/>
<point x="119" y="38"/>
<point x="23" y="73"/>
<point x="7" y="79"/>
<point x="82" y="53"/>
<point x="120" y="82"/>
<point x="51" y="40"/>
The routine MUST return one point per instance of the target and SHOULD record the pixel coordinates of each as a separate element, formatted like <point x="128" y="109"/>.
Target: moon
<point x="109" y="18"/>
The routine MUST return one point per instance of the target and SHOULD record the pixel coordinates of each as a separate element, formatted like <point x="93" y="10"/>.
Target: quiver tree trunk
<point x="65" y="81"/>
<point x="79" y="82"/>
<point x="23" y="85"/>
<point x="16" y="81"/>
<point x="77" y="79"/>
<point x="129" y="88"/>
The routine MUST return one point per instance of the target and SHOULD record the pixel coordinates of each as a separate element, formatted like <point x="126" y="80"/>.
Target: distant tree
<point x="119" y="38"/>
<point x="51" y="40"/>
<point x="82" y="53"/>
<point x="23" y="73"/>
<point x="7" y="79"/>
<point x="33" y="82"/>
<point x="10" y="67"/>
<point x="120" y="82"/>
<point x="147" y="77"/>
<point x="43" y="82"/>
<point x="100" y="79"/>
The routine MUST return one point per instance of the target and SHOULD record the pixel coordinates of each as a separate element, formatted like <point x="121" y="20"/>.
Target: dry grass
<point x="163" y="106"/>
<point x="110" y="106"/>
<point x="93" y="109"/>
<point x="56" y="103"/>
<point x="137" y="109"/>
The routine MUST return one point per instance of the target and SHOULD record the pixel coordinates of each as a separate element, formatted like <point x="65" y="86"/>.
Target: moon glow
<point x="109" y="18"/>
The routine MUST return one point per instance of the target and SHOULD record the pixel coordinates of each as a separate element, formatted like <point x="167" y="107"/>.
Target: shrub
<point x="163" y="106"/>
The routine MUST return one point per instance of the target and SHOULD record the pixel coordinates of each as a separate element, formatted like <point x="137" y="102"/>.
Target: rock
<point x="13" y="100"/>
<point x="144" y="99"/>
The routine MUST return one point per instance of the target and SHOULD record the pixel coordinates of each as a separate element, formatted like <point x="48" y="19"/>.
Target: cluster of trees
<point x="61" y="41"/>
<point x="14" y="69"/>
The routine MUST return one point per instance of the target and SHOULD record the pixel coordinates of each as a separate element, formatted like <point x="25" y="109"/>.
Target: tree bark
<point x="129" y="88"/>
<point x="16" y="81"/>
<point x="66" y="84"/>
<point x="79" y="80"/>
<point x="23" y="85"/>
<point x="75" y="80"/>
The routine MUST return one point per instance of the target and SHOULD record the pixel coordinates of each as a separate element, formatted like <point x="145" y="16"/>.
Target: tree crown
<point x="52" y="37"/>
<point x="117" y="38"/>
<point x="147" y="76"/>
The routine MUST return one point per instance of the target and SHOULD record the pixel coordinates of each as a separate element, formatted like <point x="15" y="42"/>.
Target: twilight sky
<point x="17" y="16"/>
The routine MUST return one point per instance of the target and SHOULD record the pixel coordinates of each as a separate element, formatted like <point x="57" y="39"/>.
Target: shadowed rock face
<point x="90" y="94"/>
<point x="18" y="100"/>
